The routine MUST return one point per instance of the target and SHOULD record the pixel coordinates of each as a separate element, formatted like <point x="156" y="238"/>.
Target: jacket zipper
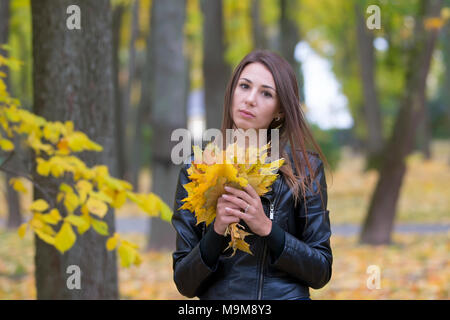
<point x="261" y="276"/>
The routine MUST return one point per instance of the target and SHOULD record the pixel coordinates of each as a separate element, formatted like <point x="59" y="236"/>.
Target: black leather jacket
<point x="305" y="261"/>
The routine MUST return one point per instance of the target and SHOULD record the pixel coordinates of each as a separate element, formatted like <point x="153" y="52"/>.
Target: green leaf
<point x="100" y="226"/>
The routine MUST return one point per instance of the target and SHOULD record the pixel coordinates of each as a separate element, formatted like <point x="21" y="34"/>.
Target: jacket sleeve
<point x="190" y="270"/>
<point x="308" y="256"/>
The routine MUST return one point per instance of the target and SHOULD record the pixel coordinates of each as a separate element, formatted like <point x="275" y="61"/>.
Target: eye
<point x="267" y="94"/>
<point x="244" y="86"/>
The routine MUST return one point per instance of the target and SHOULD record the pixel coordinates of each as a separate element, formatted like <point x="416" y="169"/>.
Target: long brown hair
<point x="293" y="126"/>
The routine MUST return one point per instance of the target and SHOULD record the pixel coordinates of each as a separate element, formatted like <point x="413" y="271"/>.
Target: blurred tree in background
<point x="73" y="80"/>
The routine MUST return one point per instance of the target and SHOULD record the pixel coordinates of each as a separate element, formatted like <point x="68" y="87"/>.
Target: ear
<point x="279" y="114"/>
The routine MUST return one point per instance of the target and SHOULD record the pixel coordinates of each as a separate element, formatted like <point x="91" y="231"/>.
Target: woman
<point x="291" y="227"/>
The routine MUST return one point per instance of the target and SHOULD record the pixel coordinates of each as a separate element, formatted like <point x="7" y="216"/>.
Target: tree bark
<point x="366" y="56"/>
<point x="379" y="222"/>
<point x="446" y="83"/>
<point x="168" y="100"/>
<point x="12" y="196"/>
<point x="425" y="133"/>
<point x="127" y="175"/>
<point x="142" y="114"/>
<point x="258" y="30"/>
<point x="119" y="132"/>
<point x="215" y="70"/>
<point x="73" y="80"/>
<point x="290" y="37"/>
<point x="4" y="27"/>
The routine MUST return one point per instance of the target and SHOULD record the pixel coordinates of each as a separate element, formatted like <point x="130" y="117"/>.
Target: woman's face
<point x="255" y="101"/>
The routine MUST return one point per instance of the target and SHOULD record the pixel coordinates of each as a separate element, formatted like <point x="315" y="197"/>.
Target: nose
<point x="250" y="99"/>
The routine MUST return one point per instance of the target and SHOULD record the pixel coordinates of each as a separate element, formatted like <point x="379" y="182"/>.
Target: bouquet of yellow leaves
<point x="213" y="169"/>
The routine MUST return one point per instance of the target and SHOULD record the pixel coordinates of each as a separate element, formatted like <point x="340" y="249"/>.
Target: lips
<point x="246" y="114"/>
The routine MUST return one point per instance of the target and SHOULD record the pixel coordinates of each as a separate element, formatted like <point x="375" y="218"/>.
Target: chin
<point x="244" y="125"/>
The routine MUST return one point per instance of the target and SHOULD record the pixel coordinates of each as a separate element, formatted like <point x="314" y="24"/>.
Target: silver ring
<point x="248" y="206"/>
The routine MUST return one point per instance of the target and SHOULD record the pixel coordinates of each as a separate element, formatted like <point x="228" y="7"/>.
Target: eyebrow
<point x="264" y="85"/>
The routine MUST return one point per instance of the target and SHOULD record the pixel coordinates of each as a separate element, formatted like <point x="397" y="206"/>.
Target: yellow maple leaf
<point x="238" y="169"/>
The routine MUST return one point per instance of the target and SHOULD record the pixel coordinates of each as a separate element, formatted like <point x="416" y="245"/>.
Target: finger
<point x="231" y="219"/>
<point x="240" y="194"/>
<point x="225" y="203"/>
<point x="252" y="192"/>
<point x="236" y="201"/>
<point x="223" y="213"/>
<point x="237" y="213"/>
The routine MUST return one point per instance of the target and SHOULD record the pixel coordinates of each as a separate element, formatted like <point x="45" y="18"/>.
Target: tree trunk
<point x="258" y="30"/>
<point x="425" y="133"/>
<point x="446" y="83"/>
<point x="127" y="92"/>
<point x="4" y="29"/>
<point x="366" y="56"/>
<point x="168" y="112"/>
<point x="142" y="114"/>
<point x="120" y="123"/>
<point x="73" y="80"/>
<point x="215" y="70"/>
<point x="379" y="222"/>
<point x="290" y="37"/>
<point x="12" y="197"/>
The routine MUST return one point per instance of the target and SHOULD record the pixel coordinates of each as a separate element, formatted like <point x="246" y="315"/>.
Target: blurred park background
<point x="374" y="81"/>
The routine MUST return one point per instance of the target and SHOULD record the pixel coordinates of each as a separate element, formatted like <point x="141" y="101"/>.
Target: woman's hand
<point x="224" y="218"/>
<point x="248" y="200"/>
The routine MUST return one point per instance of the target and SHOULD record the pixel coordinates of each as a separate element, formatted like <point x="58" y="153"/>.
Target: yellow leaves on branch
<point x="17" y="185"/>
<point x="128" y="252"/>
<point x="87" y="199"/>
<point x="92" y="195"/>
<point x="436" y="23"/>
<point x="6" y="145"/>
<point x="213" y="169"/>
